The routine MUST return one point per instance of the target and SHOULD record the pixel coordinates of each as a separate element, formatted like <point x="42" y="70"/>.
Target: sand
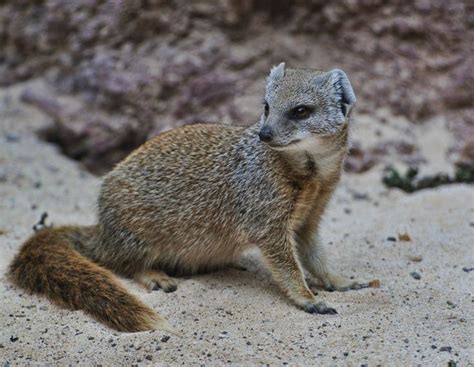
<point x="240" y="317"/>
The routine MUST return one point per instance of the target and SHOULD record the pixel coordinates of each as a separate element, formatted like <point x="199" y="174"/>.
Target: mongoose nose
<point x="265" y="134"/>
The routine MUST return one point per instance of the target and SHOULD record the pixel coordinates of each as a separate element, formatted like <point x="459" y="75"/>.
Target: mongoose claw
<point x="357" y="286"/>
<point x="353" y="286"/>
<point x="319" y="308"/>
<point x="170" y="288"/>
<point x="340" y="284"/>
<point x="154" y="280"/>
<point x="167" y="288"/>
<point x="330" y="288"/>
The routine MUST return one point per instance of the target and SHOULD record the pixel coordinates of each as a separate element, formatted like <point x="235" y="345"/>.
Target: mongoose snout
<point x="265" y="134"/>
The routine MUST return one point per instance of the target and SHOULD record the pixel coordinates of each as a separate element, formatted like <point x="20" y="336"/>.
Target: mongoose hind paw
<point x="167" y="288"/>
<point x="156" y="280"/>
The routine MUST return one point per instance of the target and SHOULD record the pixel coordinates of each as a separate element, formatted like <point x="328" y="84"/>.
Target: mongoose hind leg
<point x="156" y="279"/>
<point x="288" y="274"/>
<point x="314" y="260"/>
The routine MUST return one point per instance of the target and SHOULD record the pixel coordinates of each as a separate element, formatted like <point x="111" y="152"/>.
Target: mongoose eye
<point x="300" y="112"/>
<point x="266" y="109"/>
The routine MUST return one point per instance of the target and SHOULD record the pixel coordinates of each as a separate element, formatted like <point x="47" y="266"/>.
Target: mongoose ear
<point x="277" y="72"/>
<point x="343" y="89"/>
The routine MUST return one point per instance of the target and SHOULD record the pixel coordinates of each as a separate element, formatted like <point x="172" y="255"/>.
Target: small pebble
<point x="392" y="239"/>
<point x="445" y="349"/>
<point x="360" y="196"/>
<point x="415" y="275"/>
<point x="467" y="270"/>
<point x="12" y="138"/>
<point x="415" y="258"/>
<point x="404" y="237"/>
<point x="165" y="338"/>
<point x="374" y="283"/>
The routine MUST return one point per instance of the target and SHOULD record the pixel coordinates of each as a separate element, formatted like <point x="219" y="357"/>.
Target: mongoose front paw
<point x="320" y="308"/>
<point x="332" y="282"/>
<point x="346" y="287"/>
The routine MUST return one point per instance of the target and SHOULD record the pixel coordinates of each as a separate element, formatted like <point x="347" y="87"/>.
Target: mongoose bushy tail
<point x="49" y="264"/>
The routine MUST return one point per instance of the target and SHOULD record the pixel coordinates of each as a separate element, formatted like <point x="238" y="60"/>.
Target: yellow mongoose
<point x="195" y="197"/>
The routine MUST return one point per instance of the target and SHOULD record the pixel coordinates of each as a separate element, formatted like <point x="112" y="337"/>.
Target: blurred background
<point x="91" y="80"/>
<point x="110" y="74"/>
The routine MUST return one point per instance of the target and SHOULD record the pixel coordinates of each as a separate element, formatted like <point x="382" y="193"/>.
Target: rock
<point x="135" y="69"/>
<point x="415" y="258"/>
<point x="374" y="283"/>
<point x="404" y="237"/>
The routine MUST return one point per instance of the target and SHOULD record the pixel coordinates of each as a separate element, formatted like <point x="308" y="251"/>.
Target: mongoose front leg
<point x="313" y="259"/>
<point x="287" y="272"/>
<point x="156" y="279"/>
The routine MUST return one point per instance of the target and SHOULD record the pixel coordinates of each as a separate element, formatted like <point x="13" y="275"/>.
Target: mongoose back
<point x="193" y="198"/>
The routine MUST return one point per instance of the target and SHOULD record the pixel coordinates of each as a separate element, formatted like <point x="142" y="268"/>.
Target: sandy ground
<point x="240" y="317"/>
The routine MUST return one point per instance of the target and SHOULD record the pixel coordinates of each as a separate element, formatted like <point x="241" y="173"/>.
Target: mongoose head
<point x="302" y="105"/>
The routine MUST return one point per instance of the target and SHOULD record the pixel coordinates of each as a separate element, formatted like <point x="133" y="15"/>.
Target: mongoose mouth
<point x="283" y="146"/>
